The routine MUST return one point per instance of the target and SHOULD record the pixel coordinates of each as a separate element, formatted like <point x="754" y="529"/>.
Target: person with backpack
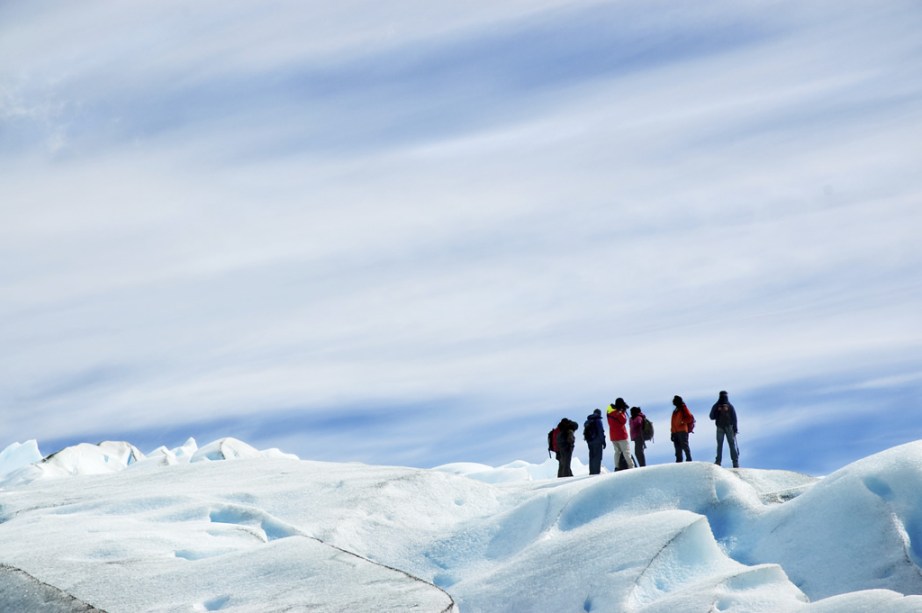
<point x="566" y="440"/>
<point x="594" y="435"/>
<point x="617" y="420"/>
<point x="724" y="416"/>
<point x="638" y="435"/>
<point x="683" y="424"/>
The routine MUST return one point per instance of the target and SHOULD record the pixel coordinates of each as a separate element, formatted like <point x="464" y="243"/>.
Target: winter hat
<point x="597" y="412"/>
<point x="635" y="411"/>
<point x="620" y="403"/>
<point x="677" y="401"/>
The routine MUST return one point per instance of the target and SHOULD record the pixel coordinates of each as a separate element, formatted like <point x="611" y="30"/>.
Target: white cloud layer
<point x="242" y="210"/>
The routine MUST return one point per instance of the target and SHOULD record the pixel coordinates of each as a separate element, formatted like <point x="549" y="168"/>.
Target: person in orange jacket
<point x="683" y="424"/>
<point x="617" y="430"/>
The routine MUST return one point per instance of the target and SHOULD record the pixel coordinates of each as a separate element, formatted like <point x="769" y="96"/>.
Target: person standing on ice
<point x="683" y="424"/>
<point x="640" y="444"/>
<point x="594" y="435"/>
<point x="724" y="416"/>
<point x="565" y="443"/>
<point x="617" y="419"/>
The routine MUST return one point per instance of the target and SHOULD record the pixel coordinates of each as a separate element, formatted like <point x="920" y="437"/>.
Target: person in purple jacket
<point x="636" y="422"/>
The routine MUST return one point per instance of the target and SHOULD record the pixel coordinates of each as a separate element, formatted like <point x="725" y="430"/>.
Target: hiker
<point x="637" y="435"/>
<point x="683" y="424"/>
<point x="565" y="443"/>
<point x="724" y="416"/>
<point x="594" y="435"/>
<point x="617" y="419"/>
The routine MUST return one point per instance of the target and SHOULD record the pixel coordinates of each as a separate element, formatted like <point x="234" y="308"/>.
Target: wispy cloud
<point x="251" y="217"/>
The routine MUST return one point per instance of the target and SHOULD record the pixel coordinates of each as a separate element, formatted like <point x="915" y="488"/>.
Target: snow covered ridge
<point x="104" y="527"/>
<point x="23" y="462"/>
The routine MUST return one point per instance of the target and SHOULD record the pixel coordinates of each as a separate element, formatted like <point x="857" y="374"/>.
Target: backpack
<point x="552" y="442"/>
<point x="722" y="416"/>
<point x="590" y="430"/>
<point x="690" y="420"/>
<point x="646" y="428"/>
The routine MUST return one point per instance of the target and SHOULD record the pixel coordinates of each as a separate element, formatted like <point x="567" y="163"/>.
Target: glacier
<point x="227" y="527"/>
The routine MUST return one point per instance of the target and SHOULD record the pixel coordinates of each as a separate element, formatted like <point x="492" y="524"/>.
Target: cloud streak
<point x="259" y="218"/>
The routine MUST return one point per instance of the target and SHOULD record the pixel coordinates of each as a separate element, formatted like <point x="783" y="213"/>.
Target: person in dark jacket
<point x="636" y="424"/>
<point x="683" y="423"/>
<point x="724" y="416"/>
<point x="594" y="435"/>
<point x="565" y="442"/>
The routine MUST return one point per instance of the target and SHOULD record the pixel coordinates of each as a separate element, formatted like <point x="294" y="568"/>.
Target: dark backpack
<point x="723" y="415"/>
<point x="552" y="442"/>
<point x="590" y="430"/>
<point x="646" y="428"/>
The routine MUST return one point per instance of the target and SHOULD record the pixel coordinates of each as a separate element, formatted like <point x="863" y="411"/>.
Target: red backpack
<point x="552" y="442"/>
<point x="689" y="419"/>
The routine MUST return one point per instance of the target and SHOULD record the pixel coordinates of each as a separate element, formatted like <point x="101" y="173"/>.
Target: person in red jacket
<point x="617" y="420"/>
<point x="683" y="423"/>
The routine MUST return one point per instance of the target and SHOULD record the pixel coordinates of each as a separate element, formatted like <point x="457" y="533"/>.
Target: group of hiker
<point x="628" y="425"/>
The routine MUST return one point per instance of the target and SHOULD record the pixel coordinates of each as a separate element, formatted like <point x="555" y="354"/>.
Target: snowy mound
<point x="230" y="528"/>
<point x="21" y="464"/>
<point x="514" y="471"/>
<point x="17" y="456"/>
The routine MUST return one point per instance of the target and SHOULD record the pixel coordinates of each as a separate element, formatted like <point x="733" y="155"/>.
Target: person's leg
<point x="595" y="458"/>
<point x="734" y="450"/>
<point x="626" y="450"/>
<point x="678" y="446"/>
<point x="683" y="437"/>
<point x="567" y="469"/>
<point x="720" y="445"/>
<point x="638" y="451"/>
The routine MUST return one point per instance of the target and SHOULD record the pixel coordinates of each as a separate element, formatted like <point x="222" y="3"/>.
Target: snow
<point x="514" y="471"/>
<point x="227" y="527"/>
<point x="18" y="455"/>
<point x="871" y="506"/>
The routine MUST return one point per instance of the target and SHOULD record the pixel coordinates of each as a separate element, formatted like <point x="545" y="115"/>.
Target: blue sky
<point x="422" y="233"/>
